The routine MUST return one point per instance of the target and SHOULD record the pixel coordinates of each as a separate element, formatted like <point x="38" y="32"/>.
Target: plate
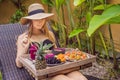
<point x="56" y="51"/>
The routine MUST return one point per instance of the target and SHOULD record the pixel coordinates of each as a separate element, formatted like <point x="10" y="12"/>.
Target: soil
<point x="102" y="70"/>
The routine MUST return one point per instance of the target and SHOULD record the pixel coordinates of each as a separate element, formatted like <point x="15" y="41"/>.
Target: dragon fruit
<point x="32" y="50"/>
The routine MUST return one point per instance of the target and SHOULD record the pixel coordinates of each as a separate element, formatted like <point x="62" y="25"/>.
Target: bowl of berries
<point x="52" y="60"/>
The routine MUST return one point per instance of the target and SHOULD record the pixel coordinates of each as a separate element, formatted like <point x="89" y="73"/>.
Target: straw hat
<point x="35" y="11"/>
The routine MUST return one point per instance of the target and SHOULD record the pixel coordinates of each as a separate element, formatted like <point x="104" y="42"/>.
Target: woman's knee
<point x="76" y="75"/>
<point x="61" y="77"/>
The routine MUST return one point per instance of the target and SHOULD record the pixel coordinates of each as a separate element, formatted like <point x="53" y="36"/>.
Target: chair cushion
<point x="8" y="35"/>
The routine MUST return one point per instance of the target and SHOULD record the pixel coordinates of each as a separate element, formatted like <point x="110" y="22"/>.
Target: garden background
<point x="72" y="20"/>
<point x="8" y="8"/>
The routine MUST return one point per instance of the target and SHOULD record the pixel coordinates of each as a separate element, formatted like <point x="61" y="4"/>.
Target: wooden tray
<point x="59" y="69"/>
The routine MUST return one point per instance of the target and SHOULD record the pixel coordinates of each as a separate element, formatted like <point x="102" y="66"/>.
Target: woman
<point x="38" y="32"/>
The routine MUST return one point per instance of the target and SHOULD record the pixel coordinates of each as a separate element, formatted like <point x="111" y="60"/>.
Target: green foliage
<point x="78" y="2"/>
<point x="114" y="20"/>
<point x="102" y="1"/>
<point x="54" y="26"/>
<point x="88" y="17"/>
<point x="48" y="2"/>
<point x="110" y="15"/>
<point x="86" y="10"/>
<point x="54" y="3"/>
<point x="71" y="20"/>
<point x="101" y="7"/>
<point x="1" y="0"/>
<point x="104" y="45"/>
<point x="76" y="32"/>
<point x="98" y="20"/>
<point x="58" y="3"/>
<point x="0" y="76"/>
<point x="16" y="17"/>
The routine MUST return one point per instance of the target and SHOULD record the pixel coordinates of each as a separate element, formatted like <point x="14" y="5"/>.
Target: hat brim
<point x="25" y="20"/>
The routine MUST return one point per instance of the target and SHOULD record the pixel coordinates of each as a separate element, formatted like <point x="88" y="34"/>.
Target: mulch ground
<point x="101" y="70"/>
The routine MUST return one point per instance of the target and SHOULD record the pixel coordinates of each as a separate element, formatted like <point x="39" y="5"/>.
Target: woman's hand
<point x="24" y="41"/>
<point x="22" y="44"/>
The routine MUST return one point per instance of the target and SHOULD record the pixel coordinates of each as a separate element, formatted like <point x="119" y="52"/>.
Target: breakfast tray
<point x="55" y="70"/>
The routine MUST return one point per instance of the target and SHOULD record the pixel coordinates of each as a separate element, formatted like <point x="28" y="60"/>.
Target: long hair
<point x="44" y="30"/>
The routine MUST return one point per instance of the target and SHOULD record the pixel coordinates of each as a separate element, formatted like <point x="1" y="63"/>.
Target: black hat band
<point x="36" y="11"/>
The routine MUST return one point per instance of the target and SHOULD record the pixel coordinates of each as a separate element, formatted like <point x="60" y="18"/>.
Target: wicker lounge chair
<point x="8" y="36"/>
<point x="8" y="53"/>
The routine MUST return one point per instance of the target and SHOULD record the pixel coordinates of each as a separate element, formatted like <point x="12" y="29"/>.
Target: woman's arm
<point x="22" y="47"/>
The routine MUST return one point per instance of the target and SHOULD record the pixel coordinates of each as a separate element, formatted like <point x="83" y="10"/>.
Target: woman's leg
<point x="61" y="77"/>
<point x="76" y="75"/>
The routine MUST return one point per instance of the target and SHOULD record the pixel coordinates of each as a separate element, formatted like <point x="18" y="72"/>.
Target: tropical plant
<point x="76" y="32"/>
<point x="63" y="30"/>
<point x="49" y="3"/>
<point x="106" y="18"/>
<point x="86" y="11"/>
<point x="16" y="16"/>
<point x="72" y="24"/>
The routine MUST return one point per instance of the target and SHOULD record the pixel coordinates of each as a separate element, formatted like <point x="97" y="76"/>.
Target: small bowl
<point x="56" y="51"/>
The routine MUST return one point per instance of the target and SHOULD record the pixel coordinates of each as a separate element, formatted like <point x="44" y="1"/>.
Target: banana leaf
<point x="114" y="20"/>
<point x="114" y="10"/>
<point x="107" y="16"/>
